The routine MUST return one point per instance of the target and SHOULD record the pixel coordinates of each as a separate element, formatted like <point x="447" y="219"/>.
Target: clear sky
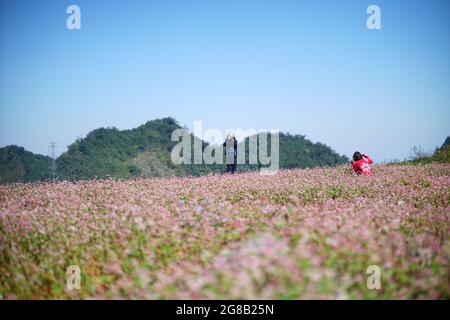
<point x="306" y="67"/>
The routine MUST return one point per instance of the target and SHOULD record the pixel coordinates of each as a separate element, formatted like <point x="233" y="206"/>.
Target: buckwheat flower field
<point x="300" y="234"/>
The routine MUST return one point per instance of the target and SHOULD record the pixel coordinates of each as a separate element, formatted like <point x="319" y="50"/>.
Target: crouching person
<point x="361" y="163"/>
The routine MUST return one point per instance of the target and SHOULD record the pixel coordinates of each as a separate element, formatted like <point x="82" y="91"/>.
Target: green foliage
<point x="446" y="142"/>
<point x="442" y="154"/>
<point x="17" y="164"/>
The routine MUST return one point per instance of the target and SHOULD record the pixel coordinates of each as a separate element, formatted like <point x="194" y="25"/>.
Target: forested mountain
<point x="298" y="152"/>
<point x="17" y="164"/>
<point x="144" y="151"/>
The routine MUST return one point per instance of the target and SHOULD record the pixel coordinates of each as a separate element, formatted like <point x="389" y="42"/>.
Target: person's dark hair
<point x="357" y="156"/>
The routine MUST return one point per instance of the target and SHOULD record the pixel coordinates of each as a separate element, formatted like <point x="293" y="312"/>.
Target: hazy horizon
<point x="303" y="67"/>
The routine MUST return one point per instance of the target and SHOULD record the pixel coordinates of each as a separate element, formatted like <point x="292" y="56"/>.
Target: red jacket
<point x="362" y="166"/>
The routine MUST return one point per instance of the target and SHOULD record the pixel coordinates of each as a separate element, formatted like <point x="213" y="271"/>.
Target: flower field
<point x="301" y="234"/>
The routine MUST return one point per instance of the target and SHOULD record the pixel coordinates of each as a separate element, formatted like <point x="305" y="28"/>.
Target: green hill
<point x="298" y="152"/>
<point x="17" y="164"/>
<point x="144" y="151"/>
<point x="442" y="154"/>
<point x="446" y="143"/>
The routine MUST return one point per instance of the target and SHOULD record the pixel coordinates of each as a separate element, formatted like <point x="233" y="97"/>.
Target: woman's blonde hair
<point x="230" y="135"/>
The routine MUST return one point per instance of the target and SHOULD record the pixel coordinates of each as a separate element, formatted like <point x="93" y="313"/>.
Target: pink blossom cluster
<point x="300" y="234"/>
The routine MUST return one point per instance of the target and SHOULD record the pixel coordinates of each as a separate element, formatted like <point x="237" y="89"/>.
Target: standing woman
<point x="230" y="145"/>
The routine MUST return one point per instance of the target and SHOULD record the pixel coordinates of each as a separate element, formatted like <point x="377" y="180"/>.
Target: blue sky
<point x="306" y="67"/>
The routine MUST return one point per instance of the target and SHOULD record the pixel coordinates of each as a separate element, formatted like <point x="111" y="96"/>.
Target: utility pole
<point x="52" y="150"/>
